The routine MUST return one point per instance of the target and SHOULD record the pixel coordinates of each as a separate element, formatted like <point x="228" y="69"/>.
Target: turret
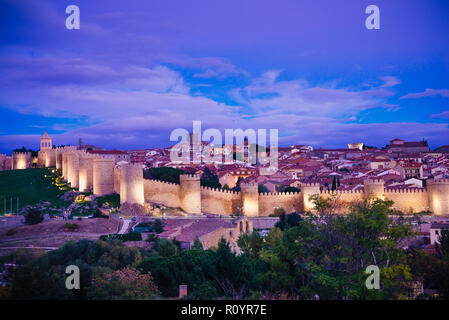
<point x="308" y="190"/>
<point x="20" y="160"/>
<point x="73" y="172"/>
<point x="58" y="159"/>
<point x="374" y="188"/>
<point x="131" y="183"/>
<point x="250" y="199"/>
<point x="438" y="191"/>
<point x="85" y="172"/>
<point x="50" y="158"/>
<point x="103" y="175"/>
<point x="190" y="193"/>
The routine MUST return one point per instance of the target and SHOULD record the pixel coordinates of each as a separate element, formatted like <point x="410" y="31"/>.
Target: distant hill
<point x="442" y="149"/>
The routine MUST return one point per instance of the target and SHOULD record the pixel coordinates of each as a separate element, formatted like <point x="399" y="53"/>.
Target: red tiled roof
<point x="107" y="151"/>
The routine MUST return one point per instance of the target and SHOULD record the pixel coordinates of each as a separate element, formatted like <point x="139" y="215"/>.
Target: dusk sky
<point x="136" y="70"/>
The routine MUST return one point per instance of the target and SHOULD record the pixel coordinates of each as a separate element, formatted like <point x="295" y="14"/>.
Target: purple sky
<point x="136" y="70"/>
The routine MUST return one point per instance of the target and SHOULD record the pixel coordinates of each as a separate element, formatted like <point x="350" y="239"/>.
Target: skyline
<point x="131" y="74"/>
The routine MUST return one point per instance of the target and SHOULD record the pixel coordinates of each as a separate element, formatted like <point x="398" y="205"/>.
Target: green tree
<point x="334" y="184"/>
<point x="262" y="189"/>
<point x="166" y="248"/>
<point x="158" y="226"/>
<point x="126" y="283"/>
<point x="33" y="216"/>
<point x="167" y="174"/>
<point x="209" y="179"/>
<point x="442" y="247"/>
<point x="197" y="244"/>
<point x="250" y="244"/>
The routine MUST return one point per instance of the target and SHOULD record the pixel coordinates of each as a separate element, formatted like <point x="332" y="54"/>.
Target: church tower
<point x="46" y="142"/>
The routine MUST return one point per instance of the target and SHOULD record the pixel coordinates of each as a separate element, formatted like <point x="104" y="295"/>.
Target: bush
<point x="132" y="236"/>
<point x="163" y="174"/>
<point x="33" y="216"/>
<point x="98" y="214"/>
<point x="71" y="226"/>
<point x="278" y="212"/>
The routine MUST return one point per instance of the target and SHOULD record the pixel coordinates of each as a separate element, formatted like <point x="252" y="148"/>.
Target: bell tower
<point x="46" y="142"/>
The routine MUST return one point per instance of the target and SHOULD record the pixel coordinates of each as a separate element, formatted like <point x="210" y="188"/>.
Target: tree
<point x="126" y="283"/>
<point x="167" y="174"/>
<point x="209" y="179"/>
<point x="197" y="244"/>
<point x="334" y="184"/>
<point x="291" y="189"/>
<point x="250" y="244"/>
<point x="288" y="221"/>
<point x="262" y="189"/>
<point x="338" y="182"/>
<point x="166" y="248"/>
<point x="33" y="216"/>
<point x="442" y="247"/>
<point x="158" y="226"/>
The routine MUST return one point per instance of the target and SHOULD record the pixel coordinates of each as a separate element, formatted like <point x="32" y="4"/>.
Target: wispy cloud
<point x="427" y="93"/>
<point x="442" y="115"/>
<point x="390" y="81"/>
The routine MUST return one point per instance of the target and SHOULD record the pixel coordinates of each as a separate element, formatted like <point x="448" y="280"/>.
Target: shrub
<point x="33" y="216"/>
<point x="278" y="212"/>
<point x="98" y="214"/>
<point x="132" y="236"/>
<point x="71" y="226"/>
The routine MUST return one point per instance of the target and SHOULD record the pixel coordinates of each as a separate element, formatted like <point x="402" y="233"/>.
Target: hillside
<point x="29" y="185"/>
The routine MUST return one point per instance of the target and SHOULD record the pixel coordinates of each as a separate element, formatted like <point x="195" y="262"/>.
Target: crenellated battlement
<point x="405" y="190"/>
<point x="185" y="177"/>
<point x="218" y="190"/>
<point x="21" y="153"/>
<point x="313" y="185"/>
<point x="374" y="181"/>
<point x="279" y="194"/>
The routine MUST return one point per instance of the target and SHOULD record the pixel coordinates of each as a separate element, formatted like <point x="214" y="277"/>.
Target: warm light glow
<point x="250" y="207"/>
<point x="21" y="164"/>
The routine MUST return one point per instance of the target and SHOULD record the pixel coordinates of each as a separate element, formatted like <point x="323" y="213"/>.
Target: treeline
<point x="321" y="256"/>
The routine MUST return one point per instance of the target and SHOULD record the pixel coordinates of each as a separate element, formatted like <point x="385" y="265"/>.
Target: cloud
<point x="442" y="115"/>
<point x="266" y="94"/>
<point x="389" y="81"/>
<point x="208" y="67"/>
<point x="427" y="93"/>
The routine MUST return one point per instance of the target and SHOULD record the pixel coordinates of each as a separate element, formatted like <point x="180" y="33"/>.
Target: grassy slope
<point x="30" y="185"/>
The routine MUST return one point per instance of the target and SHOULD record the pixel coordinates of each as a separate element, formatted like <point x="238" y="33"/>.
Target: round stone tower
<point x="103" y="175"/>
<point x="73" y="172"/>
<point x="20" y="160"/>
<point x="85" y="172"/>
<point x="64" y="165"/>
<point x="438" y="191"/>
<point x="131" y="183"/>
<point x="308" y="190"/>
<point x="374" y="188"/>
<point x="50" y="158"/>
<point x="190" y="193"/>
<point x="250" y="199"/>
<point x="58" y="159"/>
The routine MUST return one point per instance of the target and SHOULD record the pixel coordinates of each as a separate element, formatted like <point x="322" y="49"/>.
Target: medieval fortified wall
<point x="103" y="175"/>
